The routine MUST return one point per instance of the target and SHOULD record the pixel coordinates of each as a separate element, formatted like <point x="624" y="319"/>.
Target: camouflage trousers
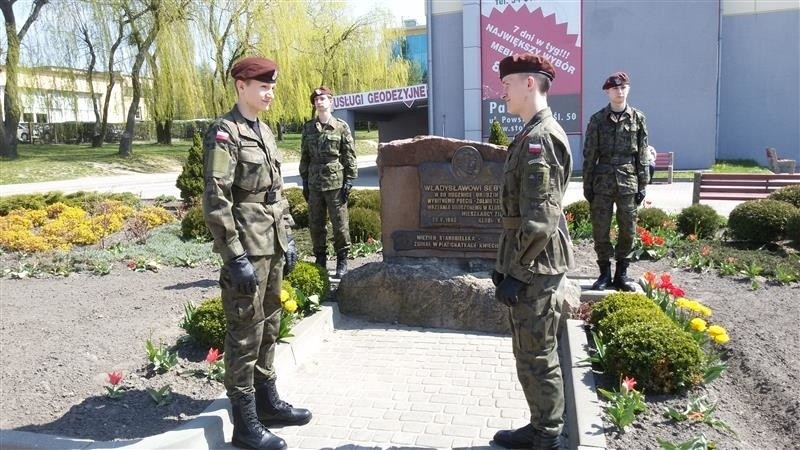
<point x="322" y="204"/>
<point x="602" y="208"/>
<point x="534" y="328"/>
<point x="252" y="324"/>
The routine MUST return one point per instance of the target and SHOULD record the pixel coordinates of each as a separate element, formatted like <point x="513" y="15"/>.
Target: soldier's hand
<point x="290" y="257"/>
<point x="344" y="194"/>
<point x="508" y="290"/>
<point x="497" y="277"/>
<point x="638" y="197"/>
<point x="588" y="195"/>
<point x="243" y="275"/>
<point x="305" y="190"/>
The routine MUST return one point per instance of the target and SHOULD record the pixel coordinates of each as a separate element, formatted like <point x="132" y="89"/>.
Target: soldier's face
<point x="618" y="95"/>
<point x="516" y="88"/>
<point x="257" y="95"/>
<point x="322" y="103"/>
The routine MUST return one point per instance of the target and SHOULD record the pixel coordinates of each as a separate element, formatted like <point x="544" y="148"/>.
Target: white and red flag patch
<point x="535" y="148"/>
<point x="223" y="136"/>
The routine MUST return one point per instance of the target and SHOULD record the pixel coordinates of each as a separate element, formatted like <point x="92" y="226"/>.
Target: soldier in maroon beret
<point x="535" y="249"/>
<point x="615" y="171"/>
<point x="247" y="214"/>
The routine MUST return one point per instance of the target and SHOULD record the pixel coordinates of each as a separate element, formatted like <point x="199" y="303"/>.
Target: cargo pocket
<point x="251" y="173"/>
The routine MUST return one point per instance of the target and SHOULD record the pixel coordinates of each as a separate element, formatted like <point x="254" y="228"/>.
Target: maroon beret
<point x="526" y="63"/>
<point x="322" y="90"/>
<point x="255" y="68"/>
<point x="616" y="79"/>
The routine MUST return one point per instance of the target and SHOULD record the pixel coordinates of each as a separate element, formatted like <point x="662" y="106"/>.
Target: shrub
<point x="579" y="210"/>
<point x="298" y="207"/>
<point x="365" y="198"/>
<point x="661" y="357"/>
<point x="788" y="194"/>
<point x="207" y="324"/>
<point x="90" y="200"/>
<point x="700" y="220"/>
<point x="364" y="224"/>
<point x="21" y="201"/>
<point x="793" y="227"/>
<point x="626" y="316"/>
<point x="496" y="135"/>
<point x="652" y="218"/>
<point x="193" y="225"/>
<point x="760" y="220"/>
<point x="310" y="278"/>
<point x="190" y="181"/>
<point x="620" y="300"/>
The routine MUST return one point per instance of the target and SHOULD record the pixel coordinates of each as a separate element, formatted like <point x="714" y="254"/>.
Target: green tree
<point x="11" y="111"/>
<point x="497" y="135"/>
<point x="190" y="181"/>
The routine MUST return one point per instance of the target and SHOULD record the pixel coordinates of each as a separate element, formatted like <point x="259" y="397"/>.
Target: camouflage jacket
<point x="535" y="239"/>
<point x="243" y="202"/>
<point x="327" y="154"/>
<point x="615" y="153"/>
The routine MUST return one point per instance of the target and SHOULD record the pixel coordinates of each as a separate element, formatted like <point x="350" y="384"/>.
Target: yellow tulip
<point x="682" y="302"/>
<point x="698" y="324"/>
<point x="705" y="310"/>
<point x="716" y="330"/>
<point x="284" y="295"/>
<point x="290" y="306"/>
<point x="721" y="338"/>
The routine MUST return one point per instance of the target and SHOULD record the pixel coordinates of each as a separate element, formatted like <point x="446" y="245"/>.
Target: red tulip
<point x="213" y="355"/>
<point x="628" y="383"/>
<point x="114" y="378"/>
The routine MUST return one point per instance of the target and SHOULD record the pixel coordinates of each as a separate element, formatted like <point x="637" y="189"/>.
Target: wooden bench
<point x="738" y="186"/>
<point x="665" y="161"/>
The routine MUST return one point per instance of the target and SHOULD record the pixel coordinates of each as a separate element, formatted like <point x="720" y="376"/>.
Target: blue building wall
<point x="760" y="85"/>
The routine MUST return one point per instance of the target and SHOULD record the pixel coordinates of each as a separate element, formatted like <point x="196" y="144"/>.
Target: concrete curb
<point x="582" y="405"/>
<point x="207" y="430"/>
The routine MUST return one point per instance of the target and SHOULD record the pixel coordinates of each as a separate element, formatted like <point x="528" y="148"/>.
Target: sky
<point x="402" y="9"/>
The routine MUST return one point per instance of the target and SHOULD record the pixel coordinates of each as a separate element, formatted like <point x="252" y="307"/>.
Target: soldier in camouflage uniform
<point x="328" y="167"/>
<point x="535" y="248"/>
<point x="247" y="214"/>
<point x="615" y="171"/>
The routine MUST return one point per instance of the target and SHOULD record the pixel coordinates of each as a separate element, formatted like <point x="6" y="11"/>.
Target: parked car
<point x="24" y="132"/>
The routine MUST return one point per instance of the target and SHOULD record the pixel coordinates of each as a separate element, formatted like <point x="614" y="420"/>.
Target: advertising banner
<point x="550" y="28"/>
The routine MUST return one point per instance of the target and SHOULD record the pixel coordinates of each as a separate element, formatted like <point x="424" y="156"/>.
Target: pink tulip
<point x="213" y="355"/>
<point x="628" y="383"/>
<point x="114" y="378"/>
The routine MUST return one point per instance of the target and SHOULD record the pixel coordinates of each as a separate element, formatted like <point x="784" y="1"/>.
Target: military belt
<point x="324" y="160"/>
<point x="616" y="160"/>
<point x="266" y="197"/>
<point x="511" y="223"/>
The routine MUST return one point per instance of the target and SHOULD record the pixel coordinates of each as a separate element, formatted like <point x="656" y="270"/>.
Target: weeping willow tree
<point x="316" y="43"/>
<point x="176" y="91"/>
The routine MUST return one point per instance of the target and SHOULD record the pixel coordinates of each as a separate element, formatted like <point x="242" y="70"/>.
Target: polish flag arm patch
<point x="222" y="136"/>
<point x="535" y="148"/>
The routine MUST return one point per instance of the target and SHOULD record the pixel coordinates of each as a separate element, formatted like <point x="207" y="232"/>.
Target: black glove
<point x="497" y="277"/>
<point x="588" y="195"/>
<point x="290" y="257"/>
<point x="344" y="194"/>
<point x="638" y="197"/>
<point x="507" y="291"/>
<point x="242" y="274"/>
<point x="305" y="190"/>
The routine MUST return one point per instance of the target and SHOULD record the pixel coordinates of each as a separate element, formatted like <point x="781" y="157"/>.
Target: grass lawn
<point x="48" y="162"/>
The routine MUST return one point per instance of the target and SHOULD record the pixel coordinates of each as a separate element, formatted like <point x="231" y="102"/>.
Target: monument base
<point x="431" y="293"/>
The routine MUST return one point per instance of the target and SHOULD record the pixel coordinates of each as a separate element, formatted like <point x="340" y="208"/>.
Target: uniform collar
<point x="244" y="127"/>
<point x="628" y="112"/>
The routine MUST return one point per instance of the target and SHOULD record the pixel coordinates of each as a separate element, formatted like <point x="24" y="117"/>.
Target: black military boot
<point x="604" y="280"/>
<point x="274" y="411"/>
<point x="519" y="438"/>
<point x="320" y="259"/>
<point x="248" y="431"/>
<point x="621" y="280"/>
<point x="341" y="263"/>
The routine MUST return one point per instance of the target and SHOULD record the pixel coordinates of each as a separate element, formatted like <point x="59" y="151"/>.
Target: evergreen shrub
<point x="193" y="225"/>
<point x="760" y="221"/>
<point x="580" y="210"/>
<point x="365" y="198"/>
<point x="298" y="206"/>
<point x="626" y="316"/>
<point x="207" y="324"/>
<point x="497" y="136"/>
<point x="788" y="194"/>
<point x="364" y="224"/>
<point x="190" y="181"/>
<point x="620" y="300"/>
<point x="310" y="279"/>
<point x="793" y="227"/>
<point x="652" y="218"/>
<point x="700" y="220"/>
<point x="661" y="357"/>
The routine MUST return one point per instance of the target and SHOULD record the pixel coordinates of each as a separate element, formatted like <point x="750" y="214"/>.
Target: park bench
<point x="739" y="186"/>
<point x="665" y="161"/>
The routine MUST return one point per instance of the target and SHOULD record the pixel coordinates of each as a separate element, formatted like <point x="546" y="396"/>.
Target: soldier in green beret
<point x="248" y="216"/>
<point x="328" y="167"/>
<point x="615" y="172"/>
<point x="535" y="248"/>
